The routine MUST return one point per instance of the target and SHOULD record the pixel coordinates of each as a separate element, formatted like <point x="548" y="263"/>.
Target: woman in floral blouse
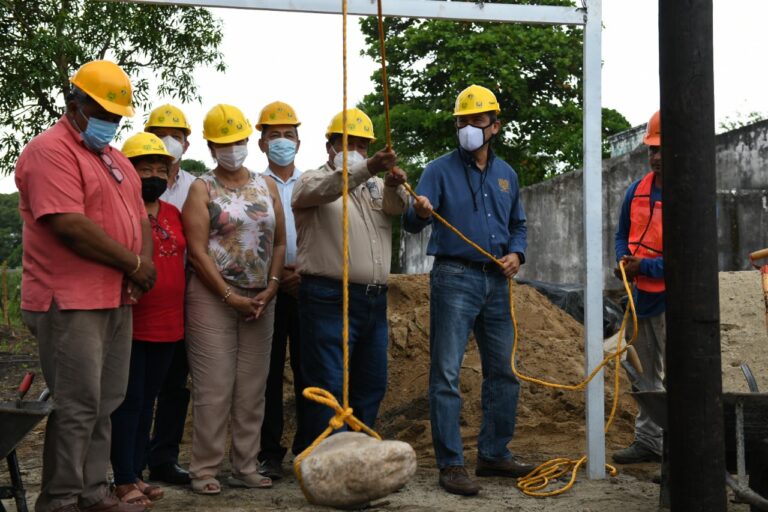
<point x="234" y="224"/>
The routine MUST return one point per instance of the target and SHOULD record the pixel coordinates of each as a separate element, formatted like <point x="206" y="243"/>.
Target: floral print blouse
<point x="242" y="230"/>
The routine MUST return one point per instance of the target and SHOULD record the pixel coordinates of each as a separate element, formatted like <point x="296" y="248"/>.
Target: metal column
<point x="591" y="18"/>
<point x="593" y="239"/>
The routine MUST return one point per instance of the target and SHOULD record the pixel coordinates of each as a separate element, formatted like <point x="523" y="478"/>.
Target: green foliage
<point x="10" y="230"/>
<point x="196" y="167"/>
<point x="10" y="298"/>
<point x="43" y="42"/>
<point x="535" y="72"/>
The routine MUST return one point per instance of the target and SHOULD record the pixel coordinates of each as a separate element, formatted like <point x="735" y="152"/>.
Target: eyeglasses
<point x="162" y="233"/>
<point x="114" y="171"/>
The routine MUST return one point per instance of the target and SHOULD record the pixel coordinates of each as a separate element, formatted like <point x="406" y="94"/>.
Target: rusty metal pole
<point x="695" y="434"/>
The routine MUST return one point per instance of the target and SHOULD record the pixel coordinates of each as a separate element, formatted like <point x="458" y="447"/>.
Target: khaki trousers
<point x="85" y="356"/>
<point x="650" y="342"/>
<point x="229" y="364"/>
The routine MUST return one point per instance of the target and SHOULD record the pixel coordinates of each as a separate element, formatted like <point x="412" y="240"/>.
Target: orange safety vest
<point x="646" y="231"/>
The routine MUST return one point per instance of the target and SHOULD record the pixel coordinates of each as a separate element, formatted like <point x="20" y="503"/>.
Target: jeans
<point x="286" y="328"/>
<point x="320" y="310"/>
<point x="171" y="412"/>
<point x="132" y="421"/>
<point x="467" y="299"/>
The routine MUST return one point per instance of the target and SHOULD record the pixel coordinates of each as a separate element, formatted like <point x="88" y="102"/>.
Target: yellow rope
<point x="538" y="479"/>
<point x="342" y="414"/>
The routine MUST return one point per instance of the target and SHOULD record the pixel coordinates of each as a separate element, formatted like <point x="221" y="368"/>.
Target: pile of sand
<point x="550" y="348"/>
<point x="743" y="335"/>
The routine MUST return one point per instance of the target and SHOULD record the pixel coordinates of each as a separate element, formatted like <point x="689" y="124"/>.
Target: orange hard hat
<point x="653" y="130"/>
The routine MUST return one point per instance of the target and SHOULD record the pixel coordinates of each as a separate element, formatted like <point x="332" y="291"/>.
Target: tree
<point x="533" y="70"/>
<point x="10" y="230"/>
<point x="196" y="167"/>
<point x="43" y="42"/>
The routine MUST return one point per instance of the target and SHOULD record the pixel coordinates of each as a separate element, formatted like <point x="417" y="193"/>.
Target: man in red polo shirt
<point x="87" y="255"/>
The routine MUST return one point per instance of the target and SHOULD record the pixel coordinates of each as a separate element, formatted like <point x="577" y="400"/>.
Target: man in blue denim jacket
<point x="478" y="193"/>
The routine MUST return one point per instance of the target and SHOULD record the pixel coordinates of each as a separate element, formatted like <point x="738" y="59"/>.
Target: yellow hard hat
<point x="277" y="112"/>
<point x="224" y="124"/>
<point x="474" y="100"/>
<point x="168" y="116"/>
<point x="107" y="84"/>
<point x="144" y="143"/>
<point x="358" y="124"/>
<point x="653" y="130"/>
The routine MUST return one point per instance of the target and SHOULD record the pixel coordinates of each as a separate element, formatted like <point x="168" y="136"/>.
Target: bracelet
<point x="275" y="279"/>
<point x="227" y="294"/>
<point x="138" y="266"/>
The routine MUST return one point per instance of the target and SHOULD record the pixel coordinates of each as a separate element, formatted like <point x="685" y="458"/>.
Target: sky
<point x="296" y="58"/>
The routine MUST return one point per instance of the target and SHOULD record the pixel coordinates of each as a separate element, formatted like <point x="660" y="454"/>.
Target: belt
<point x="482" y="266"/>
<point x="370" y="290"/>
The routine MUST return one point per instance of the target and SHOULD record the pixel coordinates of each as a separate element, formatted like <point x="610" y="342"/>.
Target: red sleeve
<point x="52" y="181"/>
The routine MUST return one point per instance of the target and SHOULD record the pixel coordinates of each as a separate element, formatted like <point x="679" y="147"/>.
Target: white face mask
<point x="231" y="158"/>
<point x="174" y="147"/>
<point x="471" y="138"/>
<point x="353" y="157"/>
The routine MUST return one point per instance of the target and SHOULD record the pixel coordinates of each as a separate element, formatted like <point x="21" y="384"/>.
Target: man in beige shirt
<point x="317" y="207"/>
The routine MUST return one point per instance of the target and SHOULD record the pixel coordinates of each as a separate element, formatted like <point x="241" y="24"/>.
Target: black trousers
<point x="171" y="412"/>
<point x="286" y="336"/>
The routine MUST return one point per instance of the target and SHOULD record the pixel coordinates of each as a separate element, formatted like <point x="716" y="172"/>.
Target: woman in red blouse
<point x="158" y="323"/>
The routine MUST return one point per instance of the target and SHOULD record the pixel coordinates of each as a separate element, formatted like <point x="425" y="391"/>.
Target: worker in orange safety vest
<point x="639" y="245"/>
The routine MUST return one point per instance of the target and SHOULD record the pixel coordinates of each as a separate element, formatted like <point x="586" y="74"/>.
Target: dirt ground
<point x="550" y="423"/>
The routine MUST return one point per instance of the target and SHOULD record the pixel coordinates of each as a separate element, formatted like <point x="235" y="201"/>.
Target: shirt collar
<point x="294" y="176"/>
<point x="469" y="159"/>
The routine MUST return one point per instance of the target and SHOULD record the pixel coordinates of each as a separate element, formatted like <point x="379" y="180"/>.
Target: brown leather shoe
<point x="509" y="468"/>
<point x="112" y="504"/>
<point x="455" y="480"/>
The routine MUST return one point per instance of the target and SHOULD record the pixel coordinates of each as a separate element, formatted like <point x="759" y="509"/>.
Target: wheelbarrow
<point x="746" y="442"/>
<point x="17" y="419"/>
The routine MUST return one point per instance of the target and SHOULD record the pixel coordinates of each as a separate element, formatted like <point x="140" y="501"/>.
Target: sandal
<point x="251" y="481"/>
<point x="152" y="492"/>
<point x="206" y="485"/>
<point x="130" y="493"/>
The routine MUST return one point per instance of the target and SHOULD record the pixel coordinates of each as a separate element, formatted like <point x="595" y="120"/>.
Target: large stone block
<point x="350" y="469"/>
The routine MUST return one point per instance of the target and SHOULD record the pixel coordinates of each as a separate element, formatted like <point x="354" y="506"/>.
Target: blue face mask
<point x="99" y="133"/>
<point x="282" y="151"/>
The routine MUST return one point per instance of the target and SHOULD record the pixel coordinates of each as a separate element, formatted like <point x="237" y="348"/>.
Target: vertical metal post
<point x="696" y="446"/>
<point x="593" y="239"/>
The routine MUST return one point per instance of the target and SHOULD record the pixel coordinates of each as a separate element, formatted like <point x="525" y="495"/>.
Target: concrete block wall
<point x="555" y="212"/>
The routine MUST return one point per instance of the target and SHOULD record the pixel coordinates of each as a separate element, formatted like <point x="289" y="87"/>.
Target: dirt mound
<point x="550" y="347"/>
<point x="743" y="335"/>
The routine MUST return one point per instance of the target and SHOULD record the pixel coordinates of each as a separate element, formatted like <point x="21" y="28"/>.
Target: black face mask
<point x="152" y="188"/>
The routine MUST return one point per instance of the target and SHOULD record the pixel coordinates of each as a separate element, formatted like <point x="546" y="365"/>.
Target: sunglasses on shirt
<point x="114" y="171"/>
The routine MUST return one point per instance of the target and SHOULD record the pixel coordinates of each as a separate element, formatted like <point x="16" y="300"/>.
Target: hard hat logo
<point x="475" y="99"/>
<point x="168" y="116"/>
<point x="224" y="124"/>
<point x="277" y="112"/>
<point x="358" y="124"/>
<point x="144" y="143"/>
